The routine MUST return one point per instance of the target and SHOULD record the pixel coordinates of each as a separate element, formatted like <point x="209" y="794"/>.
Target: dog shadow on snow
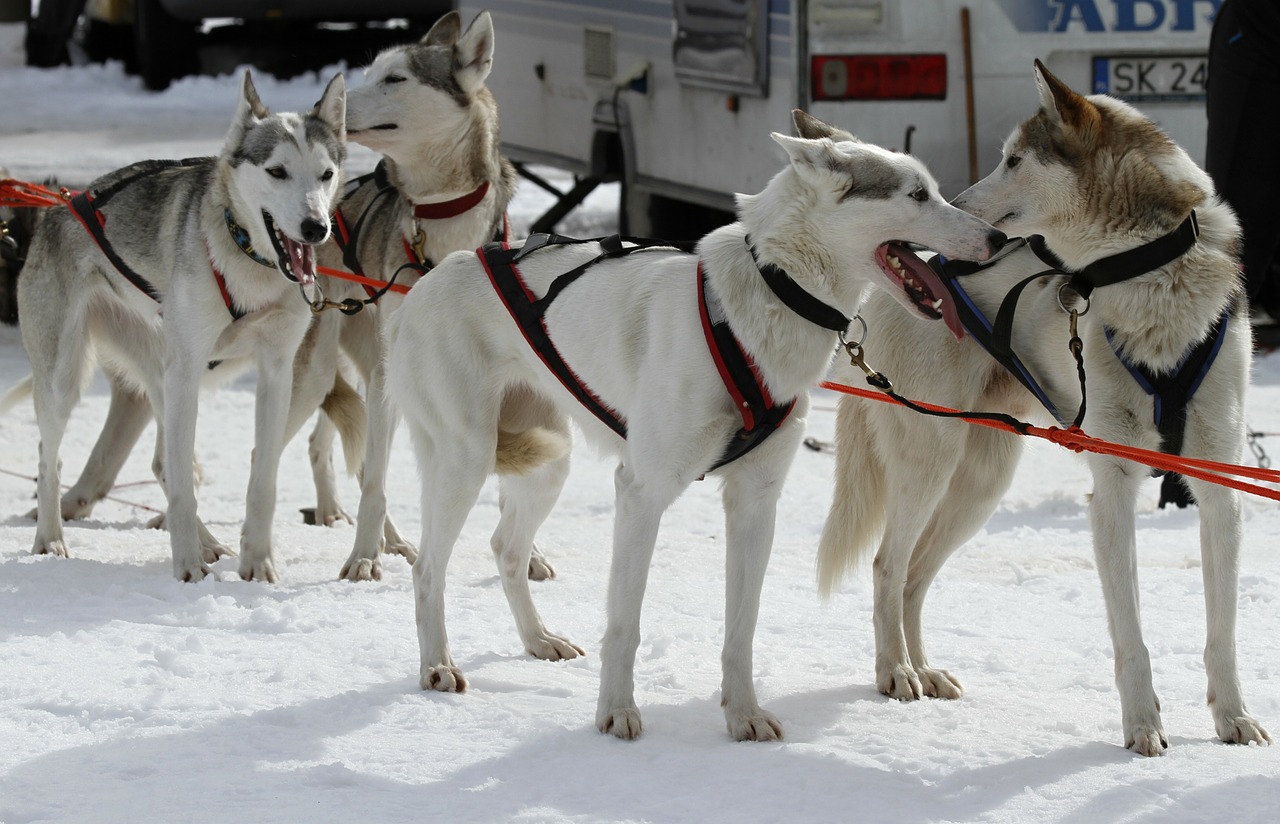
<point x="281" y="765"/>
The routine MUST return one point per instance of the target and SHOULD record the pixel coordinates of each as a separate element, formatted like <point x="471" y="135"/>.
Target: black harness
<point x="761" y="413"/>
<point x="87" y="206"/>
<point x="1171" y="392"/>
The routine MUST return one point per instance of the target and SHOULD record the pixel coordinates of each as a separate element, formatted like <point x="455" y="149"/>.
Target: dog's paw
<point x="1147" y="741"/>
<point x="157" y="522"/>
<point x="328" y="513"/>
<point x="539" y="569"/>
<point x="190" y="572"/>
<point x="77" y="508"/>
<point x="1242" y="729"/>
<point x="899" y="682"/>
<point x="442" y="679"/>
<point x="551" y="647"/>
<point x="937" y="683"/>
<point x="262" y="569"/>
<point x="753" y="725"/>
<point x="623" y="723"/>
<point x="402" y="548"/>
<point x="33" y="514"/>
<point x="57" y="548"/>
<point x="361" y="569"/>
<point x="211" y="550"/>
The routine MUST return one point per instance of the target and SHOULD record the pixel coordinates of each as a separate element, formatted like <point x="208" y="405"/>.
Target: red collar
<point x="451" y="208"/>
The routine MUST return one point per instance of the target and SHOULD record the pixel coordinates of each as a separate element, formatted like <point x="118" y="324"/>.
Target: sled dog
<point x="1095" y="179"/>
<point x="630" y="340"/>
<point x="161" y="268"/>
<point x="443" y="186"/>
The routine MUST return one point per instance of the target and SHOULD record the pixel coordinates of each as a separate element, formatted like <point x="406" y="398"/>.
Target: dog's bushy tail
<point x="345" y="407"/>
<point x="521" y="452"/>
<point x="856" y="520"/>
<point x="18" y="393"/>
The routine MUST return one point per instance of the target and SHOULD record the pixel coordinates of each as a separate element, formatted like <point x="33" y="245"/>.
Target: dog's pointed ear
<point x="250" y="104"/>
<point x="445" y="31"/>
<point x="805" y="154"/>
<point x="332" y="108"/>
<point x="810" y="127"/>
<point x="249" y="112"/>
<point x="1064" y="107"/>
<point x="473" y="54"/>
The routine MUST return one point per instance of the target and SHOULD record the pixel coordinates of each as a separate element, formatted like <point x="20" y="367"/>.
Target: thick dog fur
<point x="1094" y="177"/>
<point x="170" y="228"/>
<point x="466" y="380"/>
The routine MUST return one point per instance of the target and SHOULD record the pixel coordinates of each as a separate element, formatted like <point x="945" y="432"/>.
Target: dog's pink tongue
<point x="302" y="258"/>
<point x="952" y="318"/>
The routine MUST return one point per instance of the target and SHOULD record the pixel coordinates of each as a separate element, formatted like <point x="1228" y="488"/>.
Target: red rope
<point x="1077" y="441"/>
<point x="19" y="193"/>
<point x="361" y="279"/>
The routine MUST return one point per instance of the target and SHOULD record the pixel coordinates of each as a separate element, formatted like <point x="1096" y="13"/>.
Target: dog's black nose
<point x="997" y="239"/>
<point x="313" y="231"/>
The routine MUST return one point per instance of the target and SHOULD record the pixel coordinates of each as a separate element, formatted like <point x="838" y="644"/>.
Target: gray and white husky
<point x="187" y="263"/>
<point x="1095" y="178"/>
<point x="426" y="108"/>
<point x="478" y="398"/>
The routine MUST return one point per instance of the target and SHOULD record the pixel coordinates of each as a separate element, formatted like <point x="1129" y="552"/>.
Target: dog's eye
<point x="1013" y="160"/>
<point x="278" y="172"/>
<point x="920" y="194"/>
<point x="393" y="78"/>
<point x="327" y="176"/>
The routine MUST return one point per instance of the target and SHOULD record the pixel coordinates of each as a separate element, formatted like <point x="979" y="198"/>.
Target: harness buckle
<point x="1062" y="304"/>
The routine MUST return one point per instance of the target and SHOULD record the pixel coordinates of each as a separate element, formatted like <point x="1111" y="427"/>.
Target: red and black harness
<point x="761" y="413"/>
<point x="87" y="207"/>
<point x="1170" y="391"/>
<point x="347" y="236"/>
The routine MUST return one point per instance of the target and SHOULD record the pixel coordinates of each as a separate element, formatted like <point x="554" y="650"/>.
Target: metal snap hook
<point x="1063" y="306"/>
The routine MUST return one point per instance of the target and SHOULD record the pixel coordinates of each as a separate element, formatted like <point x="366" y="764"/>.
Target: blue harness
<point x="1170" y="392"/>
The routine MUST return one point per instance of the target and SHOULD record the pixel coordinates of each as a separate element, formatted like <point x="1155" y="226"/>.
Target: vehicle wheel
<point x="165" y="46"/>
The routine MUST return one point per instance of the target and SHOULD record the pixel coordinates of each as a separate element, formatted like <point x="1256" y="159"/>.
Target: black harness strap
<point x="86" y="207"/>
<point x="761" y="415"/>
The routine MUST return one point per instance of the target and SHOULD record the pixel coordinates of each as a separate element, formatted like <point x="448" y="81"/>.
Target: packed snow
<point x="125" y="695"/>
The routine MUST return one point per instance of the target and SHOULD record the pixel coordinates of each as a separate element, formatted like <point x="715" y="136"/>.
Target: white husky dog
<point x="1095" y="178"/>
<point x="164" y="267"/>
<point x="634" y="331"/>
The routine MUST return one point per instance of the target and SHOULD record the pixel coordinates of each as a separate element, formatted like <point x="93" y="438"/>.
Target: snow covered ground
<point x="125" y="695"/>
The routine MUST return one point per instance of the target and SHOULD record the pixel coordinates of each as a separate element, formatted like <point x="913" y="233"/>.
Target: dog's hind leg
<point x="127" y="417"/>
<point x="1220" y="558"/>
<point x="525" y="500"/>
<point x="980" y="480"/>
<point x="56" y="389"/>
<point x="917" y="478"/>
<point x="1112" y="509"/>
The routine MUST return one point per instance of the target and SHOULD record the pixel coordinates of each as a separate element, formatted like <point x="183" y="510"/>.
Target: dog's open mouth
<point x="922" y="289"/>
<point x="296" y="260"/>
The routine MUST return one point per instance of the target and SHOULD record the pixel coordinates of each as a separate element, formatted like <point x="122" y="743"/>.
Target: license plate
<point x="1151" y="77"/>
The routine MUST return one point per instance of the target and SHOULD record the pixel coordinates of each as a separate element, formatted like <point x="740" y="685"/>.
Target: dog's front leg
<point x="1111" y="513"/>
<point x="177" y="440"/>
<point x="635" y="530"/>
<point x="364" y="564"/>
<point x="750" y="503"/>
<point x="1220" y="560"/>
<point x="271" y="411"/>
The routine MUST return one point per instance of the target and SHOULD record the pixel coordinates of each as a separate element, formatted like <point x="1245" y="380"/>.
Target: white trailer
<point x="675" y="99"/>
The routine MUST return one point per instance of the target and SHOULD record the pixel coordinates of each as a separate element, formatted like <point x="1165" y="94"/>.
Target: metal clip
<point x="854" y="350"/>
<point x="419" y="243"/>
<point x="349" y="306"/>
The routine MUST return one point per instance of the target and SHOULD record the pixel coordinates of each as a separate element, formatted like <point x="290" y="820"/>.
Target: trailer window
<point x="722" y="44"/>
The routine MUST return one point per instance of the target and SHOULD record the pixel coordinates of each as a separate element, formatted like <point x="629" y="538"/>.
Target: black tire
<point x="164" y="45"/>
